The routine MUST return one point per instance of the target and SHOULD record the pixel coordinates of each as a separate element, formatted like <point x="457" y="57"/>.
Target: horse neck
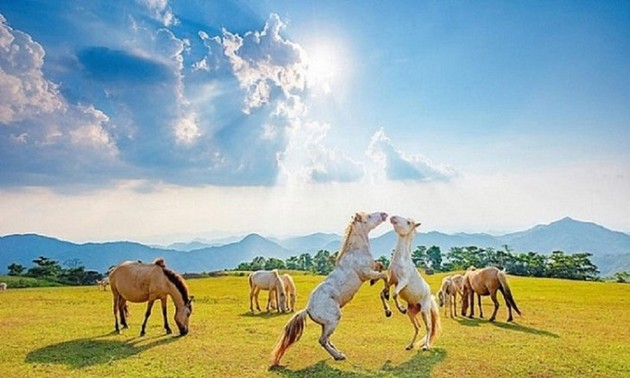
<point x="356" y="240"/>
<point x="403" y="246"/>
<point x="175" y="294"/>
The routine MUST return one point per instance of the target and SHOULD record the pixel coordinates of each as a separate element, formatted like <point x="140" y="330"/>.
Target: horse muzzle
<point x="183" y="331"/>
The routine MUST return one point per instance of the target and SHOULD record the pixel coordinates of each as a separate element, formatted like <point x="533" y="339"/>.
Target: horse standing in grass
<point x="354" y="266"/>
<point x="267" y="280"/>
<point x="138" y="282"/>
<point x="290" y="290"/>
<point x="483" y="282"/>
<point x="102" y="284"/>
<point x="447" y="296"/>
<point x="410" y="285"/>
<point x="3" y="286"/>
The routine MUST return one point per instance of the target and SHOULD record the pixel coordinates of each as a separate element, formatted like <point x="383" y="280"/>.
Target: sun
<point x="325" y="64"/>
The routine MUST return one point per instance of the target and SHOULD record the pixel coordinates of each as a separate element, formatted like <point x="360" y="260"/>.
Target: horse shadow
<point x="82" y="353"/>
<point x="468" y="322"/>
<point x="419" y="365"/>
<point x="264" y="314"/>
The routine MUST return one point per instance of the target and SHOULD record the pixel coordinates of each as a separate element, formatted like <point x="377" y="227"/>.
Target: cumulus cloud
<point x="397" y="165"/>
<point x="160" y="11"/>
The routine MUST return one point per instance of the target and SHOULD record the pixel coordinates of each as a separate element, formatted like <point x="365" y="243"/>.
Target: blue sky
<point x="159" y="120"/>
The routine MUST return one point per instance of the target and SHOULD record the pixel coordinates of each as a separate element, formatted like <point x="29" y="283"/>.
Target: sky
<point x="172" y="120"/>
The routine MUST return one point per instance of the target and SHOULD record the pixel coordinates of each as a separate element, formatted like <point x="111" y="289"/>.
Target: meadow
<point x="568" y="329"/>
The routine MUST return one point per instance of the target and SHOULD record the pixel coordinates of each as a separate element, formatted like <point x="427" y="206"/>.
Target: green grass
<point x="568" y="329"/>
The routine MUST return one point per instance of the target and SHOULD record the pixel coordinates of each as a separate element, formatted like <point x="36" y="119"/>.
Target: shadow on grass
<point x="467" y="322"/>
<point x="265" y="314"/>
<point x="419" y="365"/>
<point x="82" y="353"/>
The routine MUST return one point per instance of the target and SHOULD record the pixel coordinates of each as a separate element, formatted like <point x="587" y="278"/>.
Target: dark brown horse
<point x="483" y="282"/>
<point x="138" y="282"/>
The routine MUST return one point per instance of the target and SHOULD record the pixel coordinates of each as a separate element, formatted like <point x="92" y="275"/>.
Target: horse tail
<point x="436" y="326"/>
<point x="507" y="293"/>
<point x="291" y="334"/>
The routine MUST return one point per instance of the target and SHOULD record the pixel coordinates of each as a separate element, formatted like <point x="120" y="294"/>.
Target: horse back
<point x="138" y="282"/>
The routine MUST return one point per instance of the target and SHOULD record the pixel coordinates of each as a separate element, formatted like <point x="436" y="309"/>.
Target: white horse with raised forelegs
<point x="290" y="290"/>
<point x="354" y="266"/>
<point x="412" y="288"/>
<point x="447" y="296"/>
<point x="267" y="280"/>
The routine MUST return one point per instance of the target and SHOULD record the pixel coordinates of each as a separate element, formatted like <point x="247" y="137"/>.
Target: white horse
<point x="354" y="266"/>
<point x="3" y="286"/>
<point x="290" y="290"/>
<point x="267" y="280"/>
<point x="410" y="285"/>
<point x="447" y="296"/>
<point x="102" y="284"/>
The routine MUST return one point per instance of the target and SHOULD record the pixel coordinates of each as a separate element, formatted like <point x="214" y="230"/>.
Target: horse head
<point x="403" y="226"/>
<point x="182" y="316"/>
<point x="367" y="222"/>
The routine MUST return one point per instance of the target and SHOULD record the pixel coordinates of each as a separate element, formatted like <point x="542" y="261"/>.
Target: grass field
<point x="569" y="329"/>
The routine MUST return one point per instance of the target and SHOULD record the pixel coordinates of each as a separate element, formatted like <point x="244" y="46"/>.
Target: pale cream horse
<point x="290" y="290"/>
<point x="3" y="286"/>
<point x="447" y="296"/>
<point x="354" y="266"/>
<point x="102" y="284"/>
<point x="267" y="280"/>
<point x="412" y="288"/>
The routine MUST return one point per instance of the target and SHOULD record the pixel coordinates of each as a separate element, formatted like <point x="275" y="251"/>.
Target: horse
<point x="447" y="296"/>
<point x="354" y="266"/>
<point x="484" y="282"/>
<point x="410" y="285"/>
<point x="267" y="280"/>
<point x="103" y="283"/>
<point x="139" y="282"/>
<point x="291" y="293"/>
<point x="3" y="286"/>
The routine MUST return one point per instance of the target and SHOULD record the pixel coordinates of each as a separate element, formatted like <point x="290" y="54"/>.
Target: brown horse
<point x="484" y="282"/>
<point x="138" y="282"/>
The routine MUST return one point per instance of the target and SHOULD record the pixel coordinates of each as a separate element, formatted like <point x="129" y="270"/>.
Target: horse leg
<point x="471" y="299"/>
<point x="327" y="330"/>
<point x="509" y="307"/>
<point x="427" y="323"/>
<point x="272" y="293"/>
<point x="165" y="316"/>
<point x="256" y="292"/>
<point x="252" y="290"/>
<point x="116" y="327"/>
<point x="413" y="316"/>
<point x="122" y="310"/>
<point x="480" y="309"/>
<point x="399" y="287"/>
<point x="384" y="297"/>
<point x="493" y="296"/>
<point x="454" y="299"/>
<point x="146" y="317"/>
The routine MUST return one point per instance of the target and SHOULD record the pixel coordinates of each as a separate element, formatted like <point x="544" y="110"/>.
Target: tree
<point x="419" y="257"/>
<point x="258" y="263"/>
<point x="274" y="263"/>
<point x="44" y="268"/>
<point x="434" y="255"/>
<point x="622" y="277"/>
<point x="384" y="260"/>
<point x="293" y="263"/>
<point x="305" y="262"/>
<point x="322" y="263"/>
<point x="16" y="269"/>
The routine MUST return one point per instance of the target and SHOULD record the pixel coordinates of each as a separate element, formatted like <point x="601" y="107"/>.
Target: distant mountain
<point x="610" y="249"/>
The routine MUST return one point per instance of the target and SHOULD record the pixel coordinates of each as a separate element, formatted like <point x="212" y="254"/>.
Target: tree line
<point x="44" y="268"/>
<point x="557" y="264"/>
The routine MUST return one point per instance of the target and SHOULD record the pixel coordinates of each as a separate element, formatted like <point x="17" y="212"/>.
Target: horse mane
<point x="175" y="278"/>
<point x="345" y="244"/>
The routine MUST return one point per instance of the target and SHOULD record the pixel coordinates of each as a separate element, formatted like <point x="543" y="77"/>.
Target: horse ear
<point x="417" y="225"/>
<point x="357" y="217"/>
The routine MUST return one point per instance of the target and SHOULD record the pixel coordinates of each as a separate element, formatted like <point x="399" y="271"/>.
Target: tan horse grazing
<point x="290" y="290"/>
<point x="410" y="285"/>
<point x="354" y="266"/>
<point x="3" y="286"/>
<point x="138" y="282"/>
<point x="267" y="280"/>
<point x="484" y="282"/>
<point x="447" y="296"/>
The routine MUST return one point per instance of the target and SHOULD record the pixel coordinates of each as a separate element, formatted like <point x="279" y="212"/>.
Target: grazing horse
<point x="354" y="266"/>
<point x="267" y="280"/>
<point x="410" y="285"/>
<point x="3" y="286"/>
<point x="447" y="296"/>
<point x="139" y="282"/>
<point x="102" y="284"/>
<point x="290" y="290"/>
<point x="487" y="281"/>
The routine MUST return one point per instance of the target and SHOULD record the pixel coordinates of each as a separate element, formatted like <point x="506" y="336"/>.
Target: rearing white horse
<point x="355" y="265"/>
<point x="410" y="285"/>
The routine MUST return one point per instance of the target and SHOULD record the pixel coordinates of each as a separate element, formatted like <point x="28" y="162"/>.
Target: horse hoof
<point x="340" y="357"/>
<point x="425" y="347"/>
<point x="388" y="313"/>
<point x="409" y="347"/>
<point x="169" y="331"/>
<point x="491" y="320"/>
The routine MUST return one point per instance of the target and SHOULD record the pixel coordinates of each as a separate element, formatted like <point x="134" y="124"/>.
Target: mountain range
<point x="610" y="249"/>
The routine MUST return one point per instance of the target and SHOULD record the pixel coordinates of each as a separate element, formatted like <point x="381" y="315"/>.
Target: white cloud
<point x="393" y="164"/>
<point x="160" y="11"/>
